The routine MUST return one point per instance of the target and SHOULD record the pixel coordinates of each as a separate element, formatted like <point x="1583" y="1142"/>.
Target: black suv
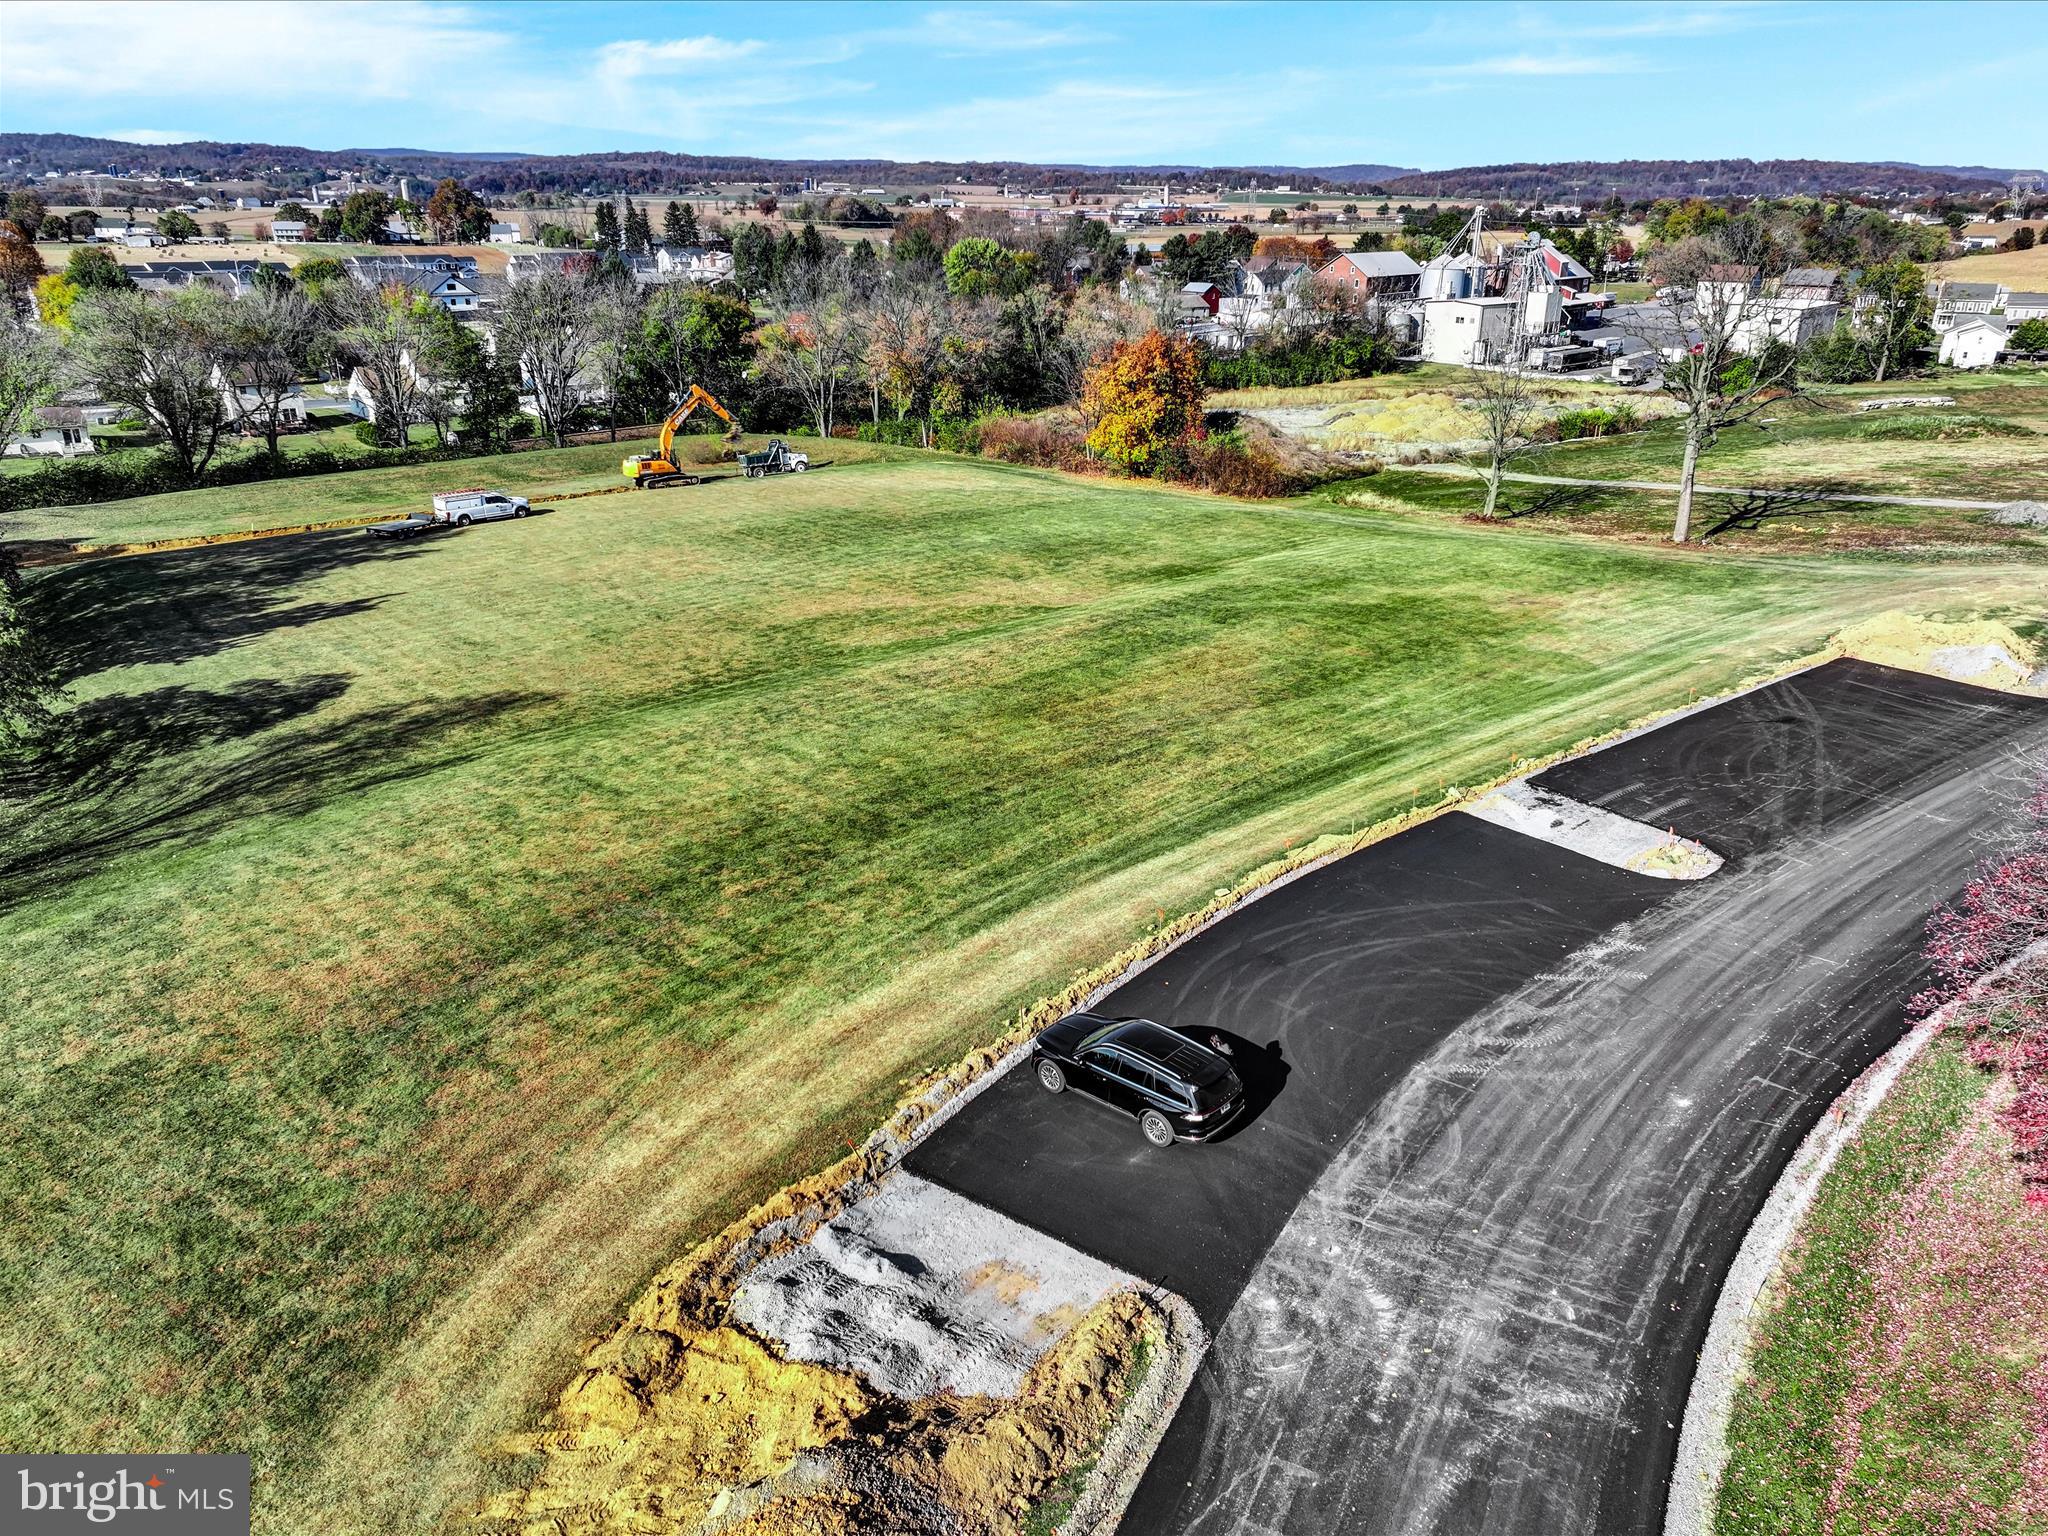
<point x="1175" y="1087"/>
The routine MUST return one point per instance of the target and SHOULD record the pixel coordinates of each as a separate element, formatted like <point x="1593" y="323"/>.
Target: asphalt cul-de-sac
<point x="1514" y="1111"/>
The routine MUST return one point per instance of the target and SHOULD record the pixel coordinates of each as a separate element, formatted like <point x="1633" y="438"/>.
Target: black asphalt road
<point x="1522" y="1108"/>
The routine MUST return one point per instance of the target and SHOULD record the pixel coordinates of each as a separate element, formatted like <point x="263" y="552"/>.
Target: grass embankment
<point x="372" y="492"/>
<point x="1992" y="444"/>
<point x="1902" y="1361"/>
<point x="432" y="940"/>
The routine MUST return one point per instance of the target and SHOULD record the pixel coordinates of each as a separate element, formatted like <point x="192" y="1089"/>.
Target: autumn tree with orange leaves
<point x="1142" y="400"/>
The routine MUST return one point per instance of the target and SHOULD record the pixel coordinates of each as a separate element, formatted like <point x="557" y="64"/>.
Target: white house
<point x="242" y="400"/>
<point x="1980" y="242"/>
<point x="248" y="202"/>
<point x="1754" y="312"/>
<point x="1967" y="299"/>
<point x="288" y="231"/>
<point x="58" y="432"/>
<point x="1468" y="331"/>
<point x="2022" y="307"/>
<point x="505" y="234"/>
<point x="450" y="281"/>
<point x="693" y="263"/>
<point x="1972" y="341"/>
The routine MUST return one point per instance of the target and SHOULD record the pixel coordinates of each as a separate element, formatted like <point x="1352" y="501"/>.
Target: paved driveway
<point x="1522" y="1108"/>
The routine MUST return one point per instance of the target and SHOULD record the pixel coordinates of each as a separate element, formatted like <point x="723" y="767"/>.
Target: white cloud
<point x="151" y="135"/>
<point x="164" y="50"/>
<point x="959" y="34"/>
<point x="632" y="59"/>
<point x="1085" y="122"/>
<point x="1545" y="65"/>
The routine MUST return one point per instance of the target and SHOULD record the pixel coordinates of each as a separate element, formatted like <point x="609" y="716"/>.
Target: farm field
<point x="2026" y="271"/>
<point x="362" y="493"/>
<point x="425" y="943"/>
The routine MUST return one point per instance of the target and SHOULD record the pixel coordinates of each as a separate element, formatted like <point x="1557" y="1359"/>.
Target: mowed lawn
<point x="423" y="943"/>
<point x="372" y="492"/>
<point x="1990" y="444"/>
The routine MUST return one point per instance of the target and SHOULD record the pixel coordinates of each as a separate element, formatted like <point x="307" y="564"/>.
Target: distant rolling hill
<point x="642" y="172"/>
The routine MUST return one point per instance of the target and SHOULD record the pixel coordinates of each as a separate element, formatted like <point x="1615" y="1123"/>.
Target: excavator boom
<point x="660" y="468"/>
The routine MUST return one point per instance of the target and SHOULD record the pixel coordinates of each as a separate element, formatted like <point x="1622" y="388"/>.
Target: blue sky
<point x="1317" y="84"/>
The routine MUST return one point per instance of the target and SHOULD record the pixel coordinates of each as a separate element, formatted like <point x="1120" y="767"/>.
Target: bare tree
<point x="270" y="338"/>
<point x="161" y="358"/>
<point x="616" y="311"/>
<point x="383" y="333"/>
<point x="909" y="327"/>
<point x="546" y="322"/>
<point x="1505" y="400"/>
<point x="1727" y="333"/>
<point x="813" y="347"/>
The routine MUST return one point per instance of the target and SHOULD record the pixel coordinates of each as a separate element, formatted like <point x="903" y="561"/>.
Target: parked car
<point x="1176" y="1088"/>
<point x="478" y="506"/>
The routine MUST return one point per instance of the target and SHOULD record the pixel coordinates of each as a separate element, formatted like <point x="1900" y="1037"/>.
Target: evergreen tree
<point x="639" y="233"/>
<point x="788" y="253"/>
<point x="691" y="235"/>
<point x="607" y="226"/>
<point x="811" y="247"/>
<point x="672" y="224"/>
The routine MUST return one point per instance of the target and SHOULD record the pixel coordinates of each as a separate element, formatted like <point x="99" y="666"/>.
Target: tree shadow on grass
<point x="180" y="605"/>
<point x="1552" y="501"/>
<point x="160" y="769"/>
<point x="1748" y="511"/>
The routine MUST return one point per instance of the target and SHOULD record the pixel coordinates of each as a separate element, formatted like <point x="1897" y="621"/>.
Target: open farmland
<point x="446" y="935"/>
<point x="2026" y="271"/>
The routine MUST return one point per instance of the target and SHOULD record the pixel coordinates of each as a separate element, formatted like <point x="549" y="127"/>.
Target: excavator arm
<point x="659" y="468"/>
<point x="697" y="396"/>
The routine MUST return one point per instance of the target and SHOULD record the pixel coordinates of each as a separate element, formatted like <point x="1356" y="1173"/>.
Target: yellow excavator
<point x="660" y="468"/>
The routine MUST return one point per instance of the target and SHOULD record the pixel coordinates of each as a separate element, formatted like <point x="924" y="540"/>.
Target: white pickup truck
<point x="454" y="509"/>
<point x="477" y="506"/>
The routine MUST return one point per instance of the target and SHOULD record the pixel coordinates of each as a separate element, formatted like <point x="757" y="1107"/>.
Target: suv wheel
<point x="1157" y="1128"/>
<point x="1051" y="1078"/>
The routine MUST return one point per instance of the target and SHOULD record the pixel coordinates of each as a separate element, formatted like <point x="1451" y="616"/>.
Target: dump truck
<point x="660" y="467"/>
<point x="776" y="459"/>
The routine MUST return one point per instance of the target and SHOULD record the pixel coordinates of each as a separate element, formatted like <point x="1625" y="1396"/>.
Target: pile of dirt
<point x="1981" y="651"/>
<point x="709" y="1430"/>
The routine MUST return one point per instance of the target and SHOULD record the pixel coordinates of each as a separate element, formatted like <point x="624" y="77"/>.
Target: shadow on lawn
<point x="159" y="768"/>
<point x="182" y="604"/>
<point x="1750" y="510"/>
<point x="1553" y="501"/>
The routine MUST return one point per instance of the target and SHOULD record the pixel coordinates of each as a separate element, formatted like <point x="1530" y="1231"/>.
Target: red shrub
<point x="1045" y="441"/>
<point x="2001" y="915"/>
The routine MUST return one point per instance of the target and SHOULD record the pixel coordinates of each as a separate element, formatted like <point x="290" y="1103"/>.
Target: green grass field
<point x="1992" y="443"/>
<point x="418" y="945"/>
<point x="1891" y="1381"/>
<point x="382" y="492"/>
